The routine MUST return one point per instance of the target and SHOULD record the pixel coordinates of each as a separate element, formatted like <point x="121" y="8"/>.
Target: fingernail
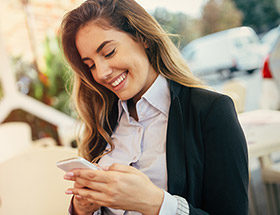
<point x="69" y="174"/>
<point x="68" y="192"/>
<point x="78" y="197"/>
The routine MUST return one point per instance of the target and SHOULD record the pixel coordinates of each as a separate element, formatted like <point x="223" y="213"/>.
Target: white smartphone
<point x="76" y="162"/>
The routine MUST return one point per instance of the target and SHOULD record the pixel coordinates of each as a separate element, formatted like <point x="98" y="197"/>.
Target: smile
<point x="120" y="79"/>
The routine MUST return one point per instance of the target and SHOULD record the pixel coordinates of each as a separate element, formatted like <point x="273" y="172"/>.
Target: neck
<point x="132" y="109"/>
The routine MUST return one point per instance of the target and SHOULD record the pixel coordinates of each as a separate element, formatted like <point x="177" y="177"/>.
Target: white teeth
<point x="119" y="80"/>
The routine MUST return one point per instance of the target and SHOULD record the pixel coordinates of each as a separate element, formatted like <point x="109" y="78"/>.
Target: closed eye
<point x="111" y="53"/>
<point x="106" y="56"/>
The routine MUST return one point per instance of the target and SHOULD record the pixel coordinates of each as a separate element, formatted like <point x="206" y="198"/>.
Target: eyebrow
<point x="98" y="49"/>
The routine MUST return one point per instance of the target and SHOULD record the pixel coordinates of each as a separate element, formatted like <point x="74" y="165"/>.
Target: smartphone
<point x="74" y="163"/>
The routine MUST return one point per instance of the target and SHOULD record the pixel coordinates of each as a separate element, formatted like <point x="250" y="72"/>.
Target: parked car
<point x="268" y="39"/>
<point x="230" y="50"/>
<point x="270" y="98"/>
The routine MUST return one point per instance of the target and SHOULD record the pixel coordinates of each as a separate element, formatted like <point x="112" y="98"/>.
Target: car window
<point x="271" y="36"/>
<point x="245" y="41"/>
<point x="275" y="53"/>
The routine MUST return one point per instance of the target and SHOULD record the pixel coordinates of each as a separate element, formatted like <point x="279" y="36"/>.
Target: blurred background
<point x="232" y="45"/>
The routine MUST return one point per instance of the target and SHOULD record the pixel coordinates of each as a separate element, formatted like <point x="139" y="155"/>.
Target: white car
<point x="270" y="98"/>
<point x="269" y="38"/>
<point x="231" y="50"/>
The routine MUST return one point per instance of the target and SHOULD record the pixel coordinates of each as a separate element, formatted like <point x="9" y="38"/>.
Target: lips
<point x="115" y="83"/>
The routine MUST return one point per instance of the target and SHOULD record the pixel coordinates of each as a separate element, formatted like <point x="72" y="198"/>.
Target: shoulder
<point x="203" y="94"/>
<point x="203" y="100"/>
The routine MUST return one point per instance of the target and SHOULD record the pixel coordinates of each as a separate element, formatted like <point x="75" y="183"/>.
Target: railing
<point x="13" y="99"/>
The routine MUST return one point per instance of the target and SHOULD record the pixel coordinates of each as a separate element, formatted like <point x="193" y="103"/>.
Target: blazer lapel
<point x="175" y="147"/>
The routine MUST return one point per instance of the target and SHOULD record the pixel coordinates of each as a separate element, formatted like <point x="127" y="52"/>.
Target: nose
<point x="103" y="70"/>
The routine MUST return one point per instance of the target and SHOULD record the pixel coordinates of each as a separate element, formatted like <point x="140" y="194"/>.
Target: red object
<point x="266" y="70"/>
<point x="44" y="78"/>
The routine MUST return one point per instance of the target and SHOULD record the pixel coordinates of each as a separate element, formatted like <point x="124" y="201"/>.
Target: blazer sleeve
<point x="225" y="180"/>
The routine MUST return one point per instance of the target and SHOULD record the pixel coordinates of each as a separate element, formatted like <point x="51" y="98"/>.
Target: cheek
<point x="92" y="74"/>
<point x="96" y="79"/>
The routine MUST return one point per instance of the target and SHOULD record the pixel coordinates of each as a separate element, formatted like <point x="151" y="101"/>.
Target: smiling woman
<point x="105" y="52"/>
<point x="165" y="144"/>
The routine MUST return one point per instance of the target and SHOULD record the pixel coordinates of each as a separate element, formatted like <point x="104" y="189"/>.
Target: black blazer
<point x="206" y="151"/>
<point x="207" y="160"/>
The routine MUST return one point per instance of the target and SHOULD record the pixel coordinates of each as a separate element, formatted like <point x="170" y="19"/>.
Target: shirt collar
<point x="158" y="95"/>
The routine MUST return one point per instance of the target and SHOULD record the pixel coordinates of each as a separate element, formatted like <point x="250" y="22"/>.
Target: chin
<point x="124" y="97"/>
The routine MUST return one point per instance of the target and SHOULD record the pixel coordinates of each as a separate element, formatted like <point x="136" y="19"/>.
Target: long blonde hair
<point x="94" y="102"/>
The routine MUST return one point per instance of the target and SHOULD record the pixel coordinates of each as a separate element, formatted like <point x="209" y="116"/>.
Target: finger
<point x="69" y="176"/>
<point x="82" y="201"/>
<point x="80" y="198"/>
<point x="90" y="195"/>
<point x="91" y="175"/>
<point x="97" y="198"/>
<point x="78" y="185"/>
<point x="97" y="186"/>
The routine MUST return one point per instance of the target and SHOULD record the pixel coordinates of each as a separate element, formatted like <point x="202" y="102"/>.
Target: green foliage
<point x="220" y="15"/>
<point x="52" y="86"/>
<point x="217" y="15"/>
<point x="27" y="78"/>
<point x="178" y="24"/>
<point x="58" y="76"/>
<point x="277" y="2"/>
<point x="261" y="15"/>
<point x="38" y="90"/>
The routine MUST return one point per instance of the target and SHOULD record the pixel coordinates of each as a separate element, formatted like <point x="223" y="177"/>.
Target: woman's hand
<point x="119" y="187"/>
<point x="81" y="205"/>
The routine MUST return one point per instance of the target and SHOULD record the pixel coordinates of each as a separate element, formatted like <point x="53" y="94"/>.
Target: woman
<point x="166" y="145"/>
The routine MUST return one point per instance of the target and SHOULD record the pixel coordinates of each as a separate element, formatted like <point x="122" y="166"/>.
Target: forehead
<point x="91" y="35"/>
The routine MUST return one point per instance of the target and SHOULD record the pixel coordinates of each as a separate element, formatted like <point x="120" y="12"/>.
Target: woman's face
<point x="116" y="61"/>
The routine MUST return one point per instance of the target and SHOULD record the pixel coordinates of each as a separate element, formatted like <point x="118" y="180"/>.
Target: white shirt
<point x="142" y="143"/>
